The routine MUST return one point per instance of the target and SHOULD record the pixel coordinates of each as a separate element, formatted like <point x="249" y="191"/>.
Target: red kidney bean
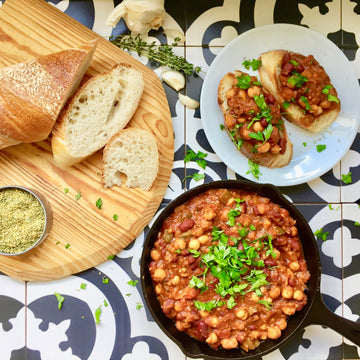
<point x="186" y="225"/>
<point x="269" y="262"/>
<point x="264" y="123"/>
<point x="168" y="305"/>
<point x="285" y="59"/>
<point x="287" y="69"/>
<point x="240" y="337"/>
<point x="269" y="99"/>
<point x="282" y="144"/>
<point x="291" y="282"/>
<point x="252" y="327"/>
<point x="256" y="211"/>
<point x="300" y="68"/>
<point x="294" y="244"/>
<point x="202" y="329"/>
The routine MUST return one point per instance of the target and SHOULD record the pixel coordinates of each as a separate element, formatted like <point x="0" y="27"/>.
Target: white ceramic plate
<point x="307" y="163"/>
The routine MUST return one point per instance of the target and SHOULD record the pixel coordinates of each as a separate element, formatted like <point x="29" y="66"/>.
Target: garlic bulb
<point x="173" y="78"/>
<point x="140" y="15"/>
<point x="188" y="101"/>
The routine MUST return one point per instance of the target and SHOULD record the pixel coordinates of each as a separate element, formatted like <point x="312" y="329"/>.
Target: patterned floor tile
<point x="12" y="318"/>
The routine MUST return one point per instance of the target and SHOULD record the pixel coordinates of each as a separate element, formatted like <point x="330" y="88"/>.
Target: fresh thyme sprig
<point x="161" y="54"/>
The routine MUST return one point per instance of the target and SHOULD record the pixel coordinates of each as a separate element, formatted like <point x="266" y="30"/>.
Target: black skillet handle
<point x="321" y="315"/>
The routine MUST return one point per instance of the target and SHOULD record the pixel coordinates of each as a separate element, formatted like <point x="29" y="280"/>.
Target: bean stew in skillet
<point x="228" y="268"/>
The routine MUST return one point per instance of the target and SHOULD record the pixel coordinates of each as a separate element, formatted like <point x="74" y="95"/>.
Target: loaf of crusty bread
<point x="315" y="117"/>
<point x="98" y="110"/>
<point x="239" y="109"/>
<point x="131" y="154"/>
<point x="33" y="93"/>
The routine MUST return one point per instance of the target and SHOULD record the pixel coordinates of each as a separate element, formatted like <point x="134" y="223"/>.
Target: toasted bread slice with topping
<point x="253" y="120"/>
<point x="302" y="87"/>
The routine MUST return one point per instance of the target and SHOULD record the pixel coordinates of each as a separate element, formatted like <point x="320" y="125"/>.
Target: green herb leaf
<point x="254" y="64"/>
<point x="346" y="178"/>
<point x="231" y="302"/>
<point x="60" y="300"/>
<point x="105" y="303"/>
<point x="305" y="100"/>
<point x="267" y="132"/>
<point x="83" y="286"/>
<point x="357" y="223"/>
<point x="67" y="246"/>
<point x="295" y="63"/>
<point x="115" y="217"/>
<point x="98" y="312"/>
<point x="320" y="148"/>
<point x="243" y="81"/>
<point x="326" y="89"/>
<point x="320" y="234"/>
<point x="257" y="136"/>
<point x="99" y="203"/>
<point x="222" y="127"/>
<point x="105" y="280"/>
<point x="208" y="306"/>
<point x="132" y="282"/>
<point x="78" y="196"/>
<point x="110" y="257"/>
<point x="195" y="176"/>
<point x="304" y="144"/>
<point x="267" y="304"/>
<point x="333" y="98"/>
<point x="138" y="306"/>
<point x="66" y="190"/>
<point x="286" y="104"/>
<point x="254" y="169"/>
<point x="297" y="80"/>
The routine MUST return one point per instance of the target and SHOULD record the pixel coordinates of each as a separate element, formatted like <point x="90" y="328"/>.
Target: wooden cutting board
<point x="30" y="28"/>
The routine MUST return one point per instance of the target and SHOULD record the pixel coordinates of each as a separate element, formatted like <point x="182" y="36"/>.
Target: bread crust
<point x="266" y="159"/>
<point x="33" y="93"/>
<point x="269" y="72"/>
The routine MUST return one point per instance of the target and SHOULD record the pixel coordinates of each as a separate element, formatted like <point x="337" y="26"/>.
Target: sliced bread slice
<point x="131" y="154"/>
<point x="33" y="93"/>
<point x="98" y="110"/>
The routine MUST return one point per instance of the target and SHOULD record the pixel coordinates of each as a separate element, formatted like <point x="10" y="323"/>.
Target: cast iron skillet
<point x="315" y="312"/>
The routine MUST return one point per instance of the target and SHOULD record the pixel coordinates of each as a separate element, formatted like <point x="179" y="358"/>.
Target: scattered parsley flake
<point x="357" y="223"/>
<point x="222" y="127"/>
<point x="78" y="196"/>
<point x="99" y="203"/>
<point x="320" y="234"/>
<point x="60" y="300"/>
<point x="105" y="303"/>
<point x="66" y="190"/>
<point x="346" y="178"/>
<point x="57" y="243"/>
<point x="305" y="100"/>
<point x="195" y="176"/>
<point x="115" y="217"/>
<point x="132" y="282"/>
<point x="320" y="147"/>
<point x="198" y="158"/>
<point x="98" y="312"/>
<point x="67" y="246"/>
<point x="138" y="306"/>
<point x="83" y="286"/>
<point x="254" y="64"/>
<point x="110" y="257"/>
<point x="254" y="169"/>
<point x="105" y="280"/>
<point x="267" y="304"/>
<point x="304" y="144"/>
<point x="286" y="104"/>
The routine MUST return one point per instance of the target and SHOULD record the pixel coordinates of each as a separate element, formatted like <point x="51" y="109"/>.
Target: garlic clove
<point x="188" y="101"/>
<point x="173" y="78"/>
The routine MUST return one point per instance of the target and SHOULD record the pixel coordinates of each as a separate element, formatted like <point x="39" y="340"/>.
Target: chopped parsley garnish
<point x="198" y="157"/>
<point x="105" y="280"/>
<point x="357" y="223"/>
<point x="99" y="203"/>
<point x="132" y="282"/>
<point x="286" y="104"/>
<point x="320" y="148"/>
<point x="295" y="63"/>
<point x="305" y="100"/>
<point x="83" y="286"/>
<point x="98" y="312"/>
<point x="222" y="127"/>
<point x="67" y="246"/>
<point x="254" y="169"/>
<point x="267" y="304"/>
<point x="208" y="306"/>
<point x="198" y="283"/>
<point x="115" y="217"/>
<point x="257" y="136"/>
<point x="232" y="214"/>
<point x="346" y="178"/>
<point x="320" y="234"/>
<point x="105" y="303"/>
<point x="267" y="132"/>
<point x="78" y="196"/>
<point x="330" y="97"/>
<point x="304" y="144"/>
<point x="110" y="257"/>
<point x="254" y="64"/>
<point x="66" y="190"/>
<point x="297" y="80"/>
<point x="333" y="98"/>
<point x="195" y="176"/>
<point x="60" y="300"/>
<point x="138" y="306"/>
<point x="244" y="81"/>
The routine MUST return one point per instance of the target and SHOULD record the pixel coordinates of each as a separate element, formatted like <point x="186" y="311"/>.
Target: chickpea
<point x="241" y="120"/>
<point x="158" y="289"/>
<point x="254" y="297"/>
<point x="212" y="338"/>
<point x="254" y="90"/>
<point x="194" y="244"/>
<point x="214" y="322"/>
<point x="244" y="131"/>
<point x="242" y="94"/>
<point x="252" y="310"/>
<point x="298" y="295"/>
<point x="282" y="324"/>
<point x="288" y="310"/>
<point x="262" y="208"/>
<point x="293" y="231"/>
<point x="274" y="292"/>
<point x="198" y="232"/>
<point x="257" y="126"/>
<point x="294" y="266"/>
<point x="276" y="254"/>
<point x="242" y="314"/>
<point x="287" y="292"/>
<point x="175" y="280"/>
<point x="265" y="147"/>
<point x="230" y="93"/>
<point x="209" y="214"/>
<point x="325" y="104"/>
<point x="254" y="334"/>
<point x="180" y="244"/>
<point x="203" y="313"/>
<point x="203" y="239"/>
<point x="229" y="343"/>
<point x="155" y="254"/>
<point x="266" y="223"/>
<point x="177" y="306"/>
<point x="273" y="332"/>
<point x="275" y="149"/>
<point x="316" y="110"/>
<point x="159" y="275"/>
<point x="230" y="121"/>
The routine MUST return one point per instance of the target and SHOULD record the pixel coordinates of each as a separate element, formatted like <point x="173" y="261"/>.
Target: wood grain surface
<point x="30" y="28"/>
